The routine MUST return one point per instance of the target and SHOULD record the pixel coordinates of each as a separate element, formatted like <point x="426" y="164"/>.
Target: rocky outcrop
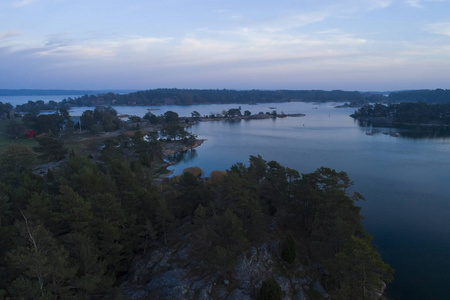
<point x="170" y="274"/>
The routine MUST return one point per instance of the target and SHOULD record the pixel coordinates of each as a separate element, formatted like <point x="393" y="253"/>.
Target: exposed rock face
<point x="317" y="286"/>
<point x="254" y="267"/>
<point x="167" y="274"/>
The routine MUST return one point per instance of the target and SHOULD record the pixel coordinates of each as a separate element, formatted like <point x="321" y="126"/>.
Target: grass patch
<point x="6" y="140"/>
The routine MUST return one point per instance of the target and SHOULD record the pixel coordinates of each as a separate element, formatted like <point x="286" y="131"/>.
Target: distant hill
<point x="204" y="96"/>
<point x="192" y="97"/>
<point x="427" y="96"/>
<point x="54" y="92"/>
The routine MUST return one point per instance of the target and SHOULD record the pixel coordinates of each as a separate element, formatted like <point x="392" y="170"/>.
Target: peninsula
<point x="404" y="114"/>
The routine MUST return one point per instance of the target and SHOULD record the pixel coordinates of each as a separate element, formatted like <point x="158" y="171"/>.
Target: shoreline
<point x="251" y="117"/>
<point x="386" y="122"/>
<point x="175" y="147"/>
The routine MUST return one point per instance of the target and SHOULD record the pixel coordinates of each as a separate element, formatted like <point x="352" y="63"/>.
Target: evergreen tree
<point x="50" y="147"/>
<point x="288" y="249"/>
<point x="43" y="264"/>
<point x="16" y="157"/>
<point x="270" y="290"/>
<point x="362" y="272"/>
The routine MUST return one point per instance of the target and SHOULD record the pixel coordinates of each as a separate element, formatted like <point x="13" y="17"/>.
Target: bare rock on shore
<point x="179" y="146"/>
<point x="169" y="274"/>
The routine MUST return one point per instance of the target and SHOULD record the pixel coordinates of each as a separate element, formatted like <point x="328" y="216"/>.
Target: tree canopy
<point x="406" y="113"/>
<point x="74" y="232"/>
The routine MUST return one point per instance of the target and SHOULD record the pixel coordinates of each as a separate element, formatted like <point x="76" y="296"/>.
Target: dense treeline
<point x="427" y="96"/>
<point x="193" y="96"/>
<point x="72" y="233"/>
<point x="5" y="108"/>
<point x="35" y="107"/>
<point x="405" y="113"/>
<point x="190" y="97"/>
<point x="41" y="92"/>
<point x="101" y="119"/>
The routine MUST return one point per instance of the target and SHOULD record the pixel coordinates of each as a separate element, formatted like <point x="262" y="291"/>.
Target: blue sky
<point x="375" y="45"/>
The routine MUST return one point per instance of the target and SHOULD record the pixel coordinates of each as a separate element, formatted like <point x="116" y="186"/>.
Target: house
<point x="30" y="133"/>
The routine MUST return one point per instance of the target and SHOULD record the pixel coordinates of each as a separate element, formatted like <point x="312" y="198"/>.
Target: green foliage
<point x="170" y="116"/>
<point x="101" y="119"/>
<point x="69" y="128"/>
<point x="427" y="96"/>
<point x="87" y="119"/>
<point x="174" y="131"/>
<point x="5" y="108"/>
<point x="227" y="236"/>
<point x="43" y="264"/>
<point x="362" y="270"/>
<point x="49" y="123"/>
<point x="405" y="113"/>
<point x="30" y="121"/>
<point x="14" y="128"/>
<point x="216" y="176"/>
<point x="164" y="218"/>
<point x="189" y="97"/>
<point x="258" y="167"/>
<point x="270" y="290"/>
<point x="50" y="147"/>
<point x="195" y="114"/>
<point x="196" y="171"/>
<point x="91" y="217"/>
<point x="152" y="118"/>
<point x="288" y="250"/>
<point x="233" y="112"/>
<point x="107" y="118"/>
<point x="16" y="157"/>
<point x="34" y="107"/>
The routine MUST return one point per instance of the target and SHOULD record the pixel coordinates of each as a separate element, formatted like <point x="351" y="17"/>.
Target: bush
<point x="288" y="250"/>
<point x="196" y="171"/>
<point x="270" y="290"/>
<point x="217" y="176"/>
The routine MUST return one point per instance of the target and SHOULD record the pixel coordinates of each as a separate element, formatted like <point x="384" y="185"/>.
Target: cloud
<point x="8" y="33"/>
<point x="414" y="3"/>
<point x="140" y="44"/>
<point x="376" y="4"/>
<point x="439" y="28"/>
<point x="23" y="3"/>
<point x="420" y="3"/>
<point x="76" y="51"/>
<point x="64" y="46"/>
<point x="257" y="48"/>
<point x="361" y="5"/>
<point x="295" y="21"/>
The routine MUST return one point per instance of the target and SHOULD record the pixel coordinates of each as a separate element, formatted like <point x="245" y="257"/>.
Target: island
<point x="406" y="114"/>
<point x="86" y="213"/>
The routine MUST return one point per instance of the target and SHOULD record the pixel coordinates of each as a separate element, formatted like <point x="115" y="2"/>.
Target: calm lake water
<point x="406" y="182"/>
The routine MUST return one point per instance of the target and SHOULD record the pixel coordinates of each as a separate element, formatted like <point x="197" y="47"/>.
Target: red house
<point x="30" y="133"/>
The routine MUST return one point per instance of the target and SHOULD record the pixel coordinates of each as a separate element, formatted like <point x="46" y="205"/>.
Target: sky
<point x="365" y="45"/>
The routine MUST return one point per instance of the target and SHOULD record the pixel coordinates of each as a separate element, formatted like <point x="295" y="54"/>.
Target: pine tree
<point x="51" y="147"/>
<point x="45" y="270"/>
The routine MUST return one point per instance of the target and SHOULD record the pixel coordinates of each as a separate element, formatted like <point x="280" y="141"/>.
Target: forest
<point x="197" y="96"/>
<point x="427" y="96"/>
<point x="73" y="230"/>
<point x="419" y="113"/>
<point x="191" y="97"/>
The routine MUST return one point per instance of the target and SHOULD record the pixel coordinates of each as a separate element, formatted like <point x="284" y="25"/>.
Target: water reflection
<point x="184" y="157"/>
<point x="428" y="133"/>
<point x="405" y="131"/>
<point x="233" y="121"/>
